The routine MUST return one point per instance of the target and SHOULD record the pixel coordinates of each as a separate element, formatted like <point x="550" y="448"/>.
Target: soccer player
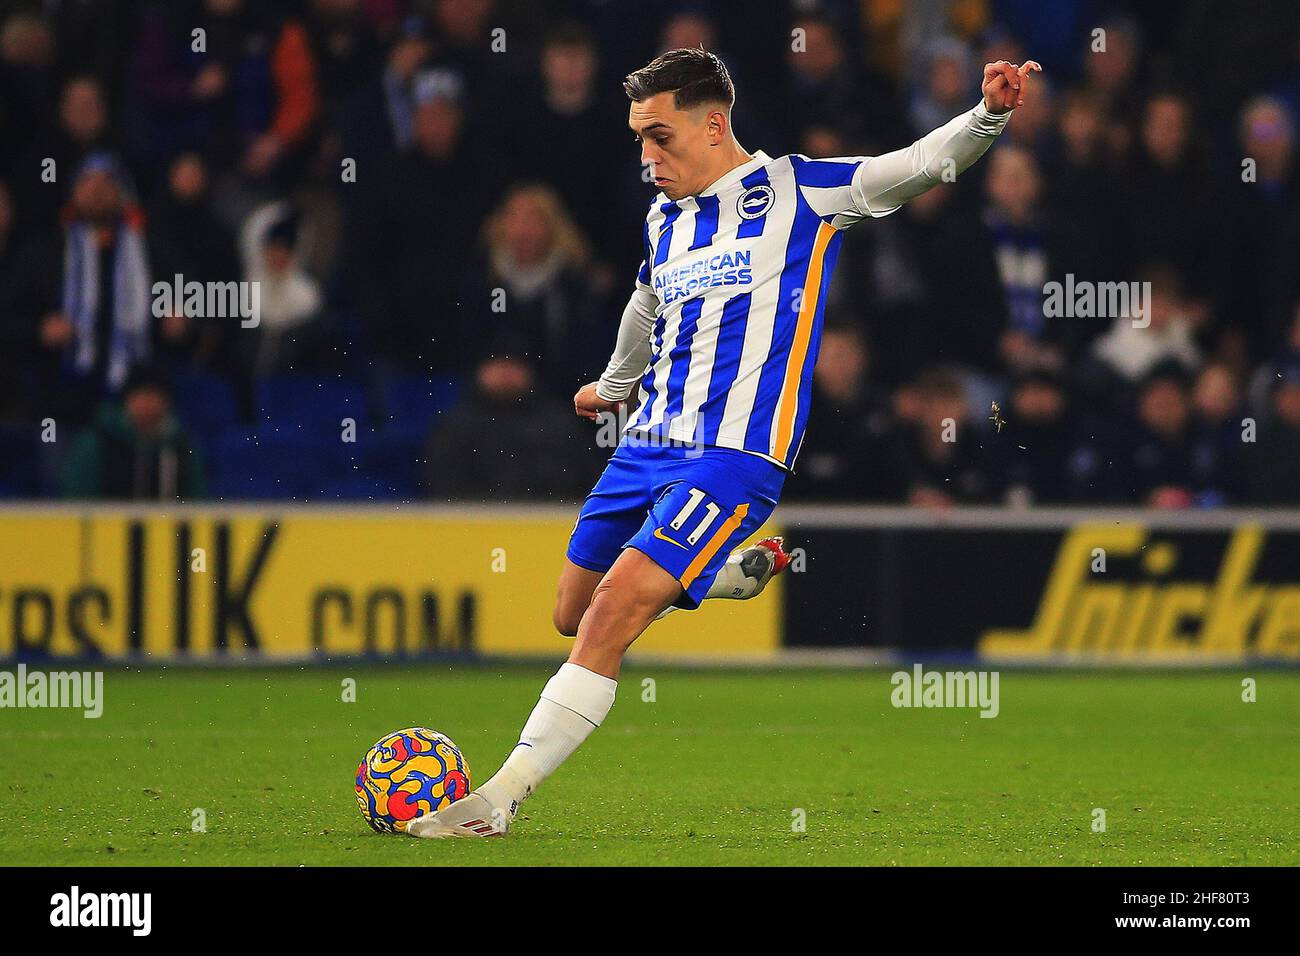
<point x="721" y="333"/>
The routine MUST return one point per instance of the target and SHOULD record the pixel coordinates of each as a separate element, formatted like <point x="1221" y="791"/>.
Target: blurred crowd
<point x="440" y="203"/>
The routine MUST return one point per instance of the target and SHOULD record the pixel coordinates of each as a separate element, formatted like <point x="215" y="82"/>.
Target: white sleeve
<point x="632" y="347"/>
<point x="881" y="184"/>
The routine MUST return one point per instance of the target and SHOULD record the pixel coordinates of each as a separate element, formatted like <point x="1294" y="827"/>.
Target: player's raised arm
<point x="631" y="355"/>
<point x="883" y="183"/>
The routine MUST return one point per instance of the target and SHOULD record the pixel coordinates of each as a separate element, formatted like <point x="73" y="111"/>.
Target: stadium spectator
<point x="136" y="450"/>
<point x="381" y="118"/>
<point x="1272" y="471"/>
<point x="536" y="288"/>
<point x="847" y="437"/>
<point x="1081" y="188"/>
<point x="187" y="239"/>
<point x="1285" y="354"/>
<point x="289" y="333"/>
<point x="939" y="454"/>
<point x="508" y="441"/>
<point x="947" y="87"/>
<point x="60" y="150"/>
<point x="346" y="51"/>
<point x="1163" y="189"/>
<point x="1217" y="424"/>
<point x="1163" y="468"/>
<point x="926" y="280"/>
<point x="93" y="38"/>
<point x="1111" y="65"/>
<point x="254" y="90"/>
<point x="1038" y="449"/>
<point x="825" y="88"/>
<point x="1255" y="220"/>
<point x="552" y="137"/>
<point x="461" y="32"/>
<point x="689" y="28"/>
<point x="1135" y="346"/>
<point x="414" y="242"/>
<point x="242" y="90"/>
<point x="26" y="85"/>
<point x="1029" y="251"/>
<point x="86" y="291"/>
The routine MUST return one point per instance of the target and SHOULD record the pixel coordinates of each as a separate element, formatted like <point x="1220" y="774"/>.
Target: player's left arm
<point x="880" y="184"/>
<point x="632" y="352"/>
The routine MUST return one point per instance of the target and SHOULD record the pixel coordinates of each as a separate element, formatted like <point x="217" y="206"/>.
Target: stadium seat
<point x="309" y="405"/>
<point x="410" y="403"/>
<point x="395" y="457"/>
<point x="20" y="473"/>
<point x="263" y="464"/>
<point x="206" y="405"/>
<point x="357" y="488"/>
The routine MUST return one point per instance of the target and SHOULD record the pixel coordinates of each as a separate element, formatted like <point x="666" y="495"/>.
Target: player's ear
<point x="717" y="122"/>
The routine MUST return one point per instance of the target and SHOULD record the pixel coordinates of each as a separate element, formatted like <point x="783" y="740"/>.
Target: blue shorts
<point x="685" y="507"/>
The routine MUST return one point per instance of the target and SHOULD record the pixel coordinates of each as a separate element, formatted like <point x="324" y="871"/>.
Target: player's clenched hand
<point x="1005" y="84"/>
<point x="588" y="404"/>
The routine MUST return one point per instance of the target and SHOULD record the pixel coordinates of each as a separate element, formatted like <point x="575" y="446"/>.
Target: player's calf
<point x="573" y="596"/>
<point x="574" y="702"/>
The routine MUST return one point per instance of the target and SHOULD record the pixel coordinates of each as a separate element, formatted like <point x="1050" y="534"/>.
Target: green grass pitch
<point x="711" y="772"/>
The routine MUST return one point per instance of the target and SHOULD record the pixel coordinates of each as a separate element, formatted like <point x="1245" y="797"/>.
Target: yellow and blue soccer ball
<point x="408" y="774"/>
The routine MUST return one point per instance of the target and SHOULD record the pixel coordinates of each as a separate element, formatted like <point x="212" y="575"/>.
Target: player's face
<point x="675" y="143"/>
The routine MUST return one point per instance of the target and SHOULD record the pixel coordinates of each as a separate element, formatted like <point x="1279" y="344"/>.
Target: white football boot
<point x="760" y="563"/>
<point x="745" y="573"/>
<point x="474" y="815"/>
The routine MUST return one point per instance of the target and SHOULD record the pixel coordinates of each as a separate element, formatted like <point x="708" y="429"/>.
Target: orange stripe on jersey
<point x="710" y="549"/>
<point x="812" y="287"/>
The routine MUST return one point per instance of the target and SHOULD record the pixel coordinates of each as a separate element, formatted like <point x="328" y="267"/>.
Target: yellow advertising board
<point x="292" y="583"/>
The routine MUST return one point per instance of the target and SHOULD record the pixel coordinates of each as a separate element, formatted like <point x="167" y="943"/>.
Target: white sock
<point x="572" y="705"/>
<point x="731" y="582"/>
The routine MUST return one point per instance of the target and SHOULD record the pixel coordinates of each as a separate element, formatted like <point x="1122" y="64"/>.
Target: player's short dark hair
<point x="693" y="76"/>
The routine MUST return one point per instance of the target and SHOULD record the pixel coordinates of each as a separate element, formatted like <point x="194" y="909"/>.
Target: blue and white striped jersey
<point x="724" y="326"/>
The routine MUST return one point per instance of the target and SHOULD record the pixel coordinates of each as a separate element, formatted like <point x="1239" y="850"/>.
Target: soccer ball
<point x="408" y="774"/>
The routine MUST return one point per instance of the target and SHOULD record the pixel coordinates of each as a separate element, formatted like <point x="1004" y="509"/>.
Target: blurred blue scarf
<point x="129" y="340"/>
